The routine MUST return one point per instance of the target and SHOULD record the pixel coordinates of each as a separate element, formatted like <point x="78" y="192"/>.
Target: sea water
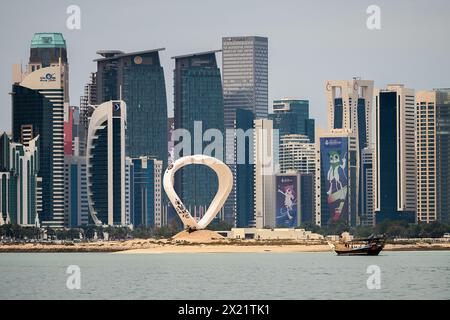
<point x="401" y="275"/>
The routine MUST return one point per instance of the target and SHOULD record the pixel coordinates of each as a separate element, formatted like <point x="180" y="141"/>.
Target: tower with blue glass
<point x="138" y="79"/>
<point x="106" y="165"/>
<point x="245" y="169"/>
<point x="39" y="100"/>
<point x="395" y="156"/>
<point x="198" y="102"/>
<point x="146" y="192"/>
<point x="291" y="116"/>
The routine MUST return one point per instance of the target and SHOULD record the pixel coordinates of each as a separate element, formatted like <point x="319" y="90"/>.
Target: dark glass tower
<point x="395" y="154"/>
<point x="245" y="86"/>
<point x="292" y="117"/>
<point x="388" y="156"/>
<point x="105" y="155"/>
<point x="443" y="153"/>
<point x="99" y="176"/>
<point x="138" y="79"/>
<point x="38" y="101"/>
<point x="307" y="201"/>
<point x="198" y="97"/>
<point x="245" y="183"/>
<point x="146" y="192"/>
<point x="338" y="114"/>
<point x="19" y="166"/>
<point x="41" y="114"/>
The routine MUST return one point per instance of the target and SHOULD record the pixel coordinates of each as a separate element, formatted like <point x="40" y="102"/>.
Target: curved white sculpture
<point x="225" y="178"/>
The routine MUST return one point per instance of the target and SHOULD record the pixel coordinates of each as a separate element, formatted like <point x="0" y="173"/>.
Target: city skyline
<point x="302" y="60"/>
<point x="205" y="95"/>
<point x="41" y="112"/>
<point x="200" y="150"/>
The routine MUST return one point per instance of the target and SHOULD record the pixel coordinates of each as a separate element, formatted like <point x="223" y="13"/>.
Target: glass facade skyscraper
<point x="39" y="105"/>
<point x="105" y="156"/>
<point x="77" y="205"/>
<point x="245" y="171"/>
<point x="443" y="152"/>
<point x="198" y="102"/>
<point x="291" y="116"/>
<point x="245" y="76"/>
<point x="38" y="110"/>
<point x="245" y="86"/>
<point x="395" y="159"/>
<point x="146" y="192"/>
<point x="19" y="166"/>
<point x="138" y="79"/>
<point x="307" y="198"/>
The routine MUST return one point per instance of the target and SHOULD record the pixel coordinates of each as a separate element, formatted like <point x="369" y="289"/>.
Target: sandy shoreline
<point x="164" y="246"/>
<point x="267" y="248"/>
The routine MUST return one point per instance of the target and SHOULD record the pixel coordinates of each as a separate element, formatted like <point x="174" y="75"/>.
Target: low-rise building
<point x="272" y="234"/>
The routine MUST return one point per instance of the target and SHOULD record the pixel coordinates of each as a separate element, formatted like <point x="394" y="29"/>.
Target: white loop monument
<point x="224" y="176"/>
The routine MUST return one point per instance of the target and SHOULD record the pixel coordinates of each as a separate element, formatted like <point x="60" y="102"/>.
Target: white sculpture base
<point x="198" y="236"/>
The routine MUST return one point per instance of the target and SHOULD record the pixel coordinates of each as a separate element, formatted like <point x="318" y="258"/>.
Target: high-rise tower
<point x="138" y="79"/>
<point x="433" y="155"/>
<point x="350" y="111"/>
<point x="245" y="76"/>
<point x="39" y="102"/>
<point x="350" y="107"/>
<point x="395" y="158"/>
<point x="105" y="156"/>
<point x="198" y="107"/>
<point x="291" y="116"/>
<point x="245" y="86"/>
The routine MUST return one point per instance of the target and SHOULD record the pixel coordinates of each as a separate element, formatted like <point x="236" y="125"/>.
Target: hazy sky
<point x="309" y="41"/>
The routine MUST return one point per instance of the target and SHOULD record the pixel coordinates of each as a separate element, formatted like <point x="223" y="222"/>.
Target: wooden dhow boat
<point x="370" y="246"/>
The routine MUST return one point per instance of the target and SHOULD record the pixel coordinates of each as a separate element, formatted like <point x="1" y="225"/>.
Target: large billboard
<point x="334" y="175"/>
<point x="286" y="201"/>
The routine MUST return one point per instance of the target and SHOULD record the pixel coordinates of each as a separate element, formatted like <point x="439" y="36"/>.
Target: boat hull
<point x="366" y="251"/>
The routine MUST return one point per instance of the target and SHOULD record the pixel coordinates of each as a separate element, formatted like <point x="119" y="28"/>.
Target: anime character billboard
<point x="286" y="202"/>
<point x="333" y="157"/>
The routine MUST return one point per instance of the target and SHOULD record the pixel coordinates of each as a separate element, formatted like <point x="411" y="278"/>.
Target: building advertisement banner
<point x="286" y="202"/>
<point x="334" y="166"/>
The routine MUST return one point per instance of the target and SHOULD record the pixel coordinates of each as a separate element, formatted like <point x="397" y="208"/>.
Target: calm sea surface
<point x="404" y="275"/>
